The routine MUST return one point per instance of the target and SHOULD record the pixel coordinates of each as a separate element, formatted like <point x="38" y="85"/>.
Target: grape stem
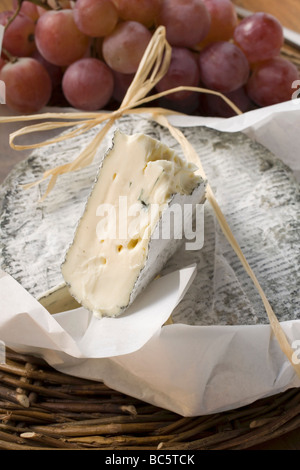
<point x="12" y="59"/>
<point x="11" y="19"/>
<point x="39" y="3"/>
<point x="58" y="5"/>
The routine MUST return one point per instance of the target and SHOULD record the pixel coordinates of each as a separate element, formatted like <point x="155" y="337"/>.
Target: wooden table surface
<point x="288" y="12"/>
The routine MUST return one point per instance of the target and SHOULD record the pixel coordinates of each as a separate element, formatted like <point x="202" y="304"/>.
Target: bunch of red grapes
<point x="85" y="53"/>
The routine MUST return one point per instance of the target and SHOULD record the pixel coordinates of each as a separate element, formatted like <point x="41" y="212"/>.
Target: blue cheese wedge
<point x="132" y="224"/>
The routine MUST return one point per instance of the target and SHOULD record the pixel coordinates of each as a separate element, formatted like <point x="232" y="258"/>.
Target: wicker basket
<point x="43" y="409"/>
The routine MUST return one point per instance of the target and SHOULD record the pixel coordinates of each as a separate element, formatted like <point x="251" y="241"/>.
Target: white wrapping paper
<point x="192" y="370"/>
<point x="80" y="334"/>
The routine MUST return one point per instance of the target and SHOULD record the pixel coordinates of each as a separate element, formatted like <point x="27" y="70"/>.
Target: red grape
<point x="28" y="85"/>
<point x="58" y="39"/>
<point x="96" y="18"/>
<point x="28" y="9"/>
<point x="215" y="106"/>
<point x="88" y="84"/>
<point x="142" y="11"/>
<point x="187" y="23"/>
<point x="5" y="16"/>
<point x="271" y="81"/>
<point x="124" y="48"/>
<point x="18" y="38"/>
<point x="223" y="20"/>
<point x="122" y="82"/>
<point x="183" y="70"/>
<point x="223" y="67"/>
<point x="260" y="36"/>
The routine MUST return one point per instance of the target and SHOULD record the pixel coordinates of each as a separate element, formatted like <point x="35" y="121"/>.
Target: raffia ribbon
<point x="152" y="68"/>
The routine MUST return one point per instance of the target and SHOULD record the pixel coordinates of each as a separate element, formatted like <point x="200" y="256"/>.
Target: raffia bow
<point x="152" y="68"/>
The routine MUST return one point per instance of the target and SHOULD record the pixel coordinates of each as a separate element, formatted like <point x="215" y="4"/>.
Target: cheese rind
<point x="117" y="248"/>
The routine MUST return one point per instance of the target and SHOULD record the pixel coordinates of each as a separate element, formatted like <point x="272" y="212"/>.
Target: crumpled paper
<point x="191" y="370"/>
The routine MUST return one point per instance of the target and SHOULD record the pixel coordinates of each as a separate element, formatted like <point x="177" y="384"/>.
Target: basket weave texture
<point x="42" y="409"/>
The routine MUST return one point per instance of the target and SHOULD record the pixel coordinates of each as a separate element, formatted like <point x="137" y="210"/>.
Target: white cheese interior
<point x="138" y="177"/>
